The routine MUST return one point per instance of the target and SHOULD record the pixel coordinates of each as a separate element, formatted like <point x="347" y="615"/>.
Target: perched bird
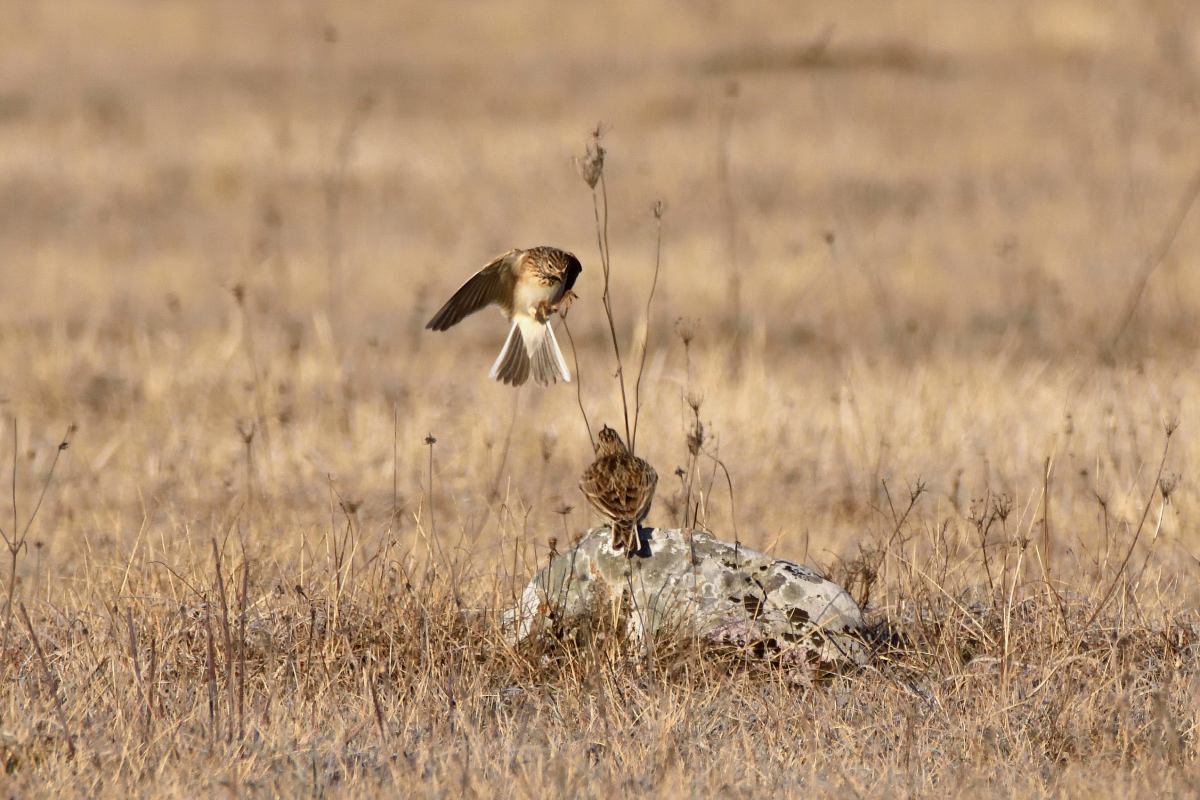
<point x="529" y="286"/>
<point x="621" y="487"/>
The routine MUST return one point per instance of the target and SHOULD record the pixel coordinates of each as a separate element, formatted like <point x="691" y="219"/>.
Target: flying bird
<point x="529" y="286"/>
<point x="620" y="486"/>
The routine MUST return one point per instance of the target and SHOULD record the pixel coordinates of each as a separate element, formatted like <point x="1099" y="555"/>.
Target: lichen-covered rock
<point x="692" y="582"/>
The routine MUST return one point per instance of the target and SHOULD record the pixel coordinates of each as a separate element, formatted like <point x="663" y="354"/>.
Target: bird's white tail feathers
<point x="555" y="365"/>
<point x="530" y="347"/>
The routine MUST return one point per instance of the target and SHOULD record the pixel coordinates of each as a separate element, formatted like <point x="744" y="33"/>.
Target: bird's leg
<point x="626" y="539"/>
<point x="546" y="309"/>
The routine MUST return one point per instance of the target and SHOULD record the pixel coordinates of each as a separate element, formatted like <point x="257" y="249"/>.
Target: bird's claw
<point x="544" y="310"/>
<point x="564" y="303"/>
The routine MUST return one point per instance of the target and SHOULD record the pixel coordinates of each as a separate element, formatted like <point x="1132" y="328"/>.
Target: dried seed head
<point x="564" y="509"/>
<point x="1167" y="484"/>
<point x="239" y="293"/>
<point x="246" y="429"/>
<point x="430" y="440"/>
<point x="695" y="439"/>
<point x="549" y="440"/>
<point x="685" y="329"/>
<point x="658" y="208"/>
<point x="695" y="400"/>
<point x="1003" y="506"/>
<point x="591" y="164"/>
<point x="977" y="514"/>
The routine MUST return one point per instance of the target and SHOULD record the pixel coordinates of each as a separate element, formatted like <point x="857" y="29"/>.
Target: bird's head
<point x="610" y="443"/>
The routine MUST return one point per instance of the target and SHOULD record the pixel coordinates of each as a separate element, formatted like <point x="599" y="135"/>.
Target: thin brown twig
<point x="729" y="209"/>
<point x="1136" y="535"/>
<point x="383" y="734"/>
<point x="395" y="458"/>
<point x="241" y="700"/>
<point x="334" y="190"/>
<point x="506" y="450"/>
<point x="14" y="476"/>
<point x="152" y="672"/>
<point x="16" y="542"/>
<point x="227" y="639"/>
<point x="50" y="681"/>
<point x="210" y="673"/>
<point x="1155" y="257"/>
<point x="578" y="382"/>
<point x="1047" y="474"/>
<point x="63" y="444"/>
<point x="914" y="495"/>
<point x="606" y="296"/>
<point x="737" y="539"/>
<point x="137" y="667"/>
<point x="591" y="169"/>
<point x="637" y="386"/>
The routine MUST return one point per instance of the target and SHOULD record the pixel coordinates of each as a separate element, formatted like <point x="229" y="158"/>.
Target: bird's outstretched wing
<point x="492" y="284"/>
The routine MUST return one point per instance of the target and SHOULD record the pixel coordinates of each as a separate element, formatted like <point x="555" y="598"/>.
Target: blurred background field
<point x="904" y="237"/>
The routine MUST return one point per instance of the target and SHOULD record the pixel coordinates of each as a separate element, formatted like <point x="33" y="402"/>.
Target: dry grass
<point x="224" y="228"/>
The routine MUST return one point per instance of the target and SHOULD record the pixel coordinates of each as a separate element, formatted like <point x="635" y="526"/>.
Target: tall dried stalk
<point x="1162" y="462"/>
<point x="591" y="167"/>
<point x="578" y="381"/>
<point x="1154" y="258"/>
<point x="725" y="122"/>
<point x="637" y="386"/>
<point x="334" y="190"/>
<point x="50" y="681"/>
<point x="15" y="542"/>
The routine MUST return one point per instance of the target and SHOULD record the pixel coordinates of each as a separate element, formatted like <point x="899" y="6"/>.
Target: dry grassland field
<point x="928" y="280"/>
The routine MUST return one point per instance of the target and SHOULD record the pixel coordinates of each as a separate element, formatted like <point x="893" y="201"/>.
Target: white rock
<point x="689" y="581"/>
